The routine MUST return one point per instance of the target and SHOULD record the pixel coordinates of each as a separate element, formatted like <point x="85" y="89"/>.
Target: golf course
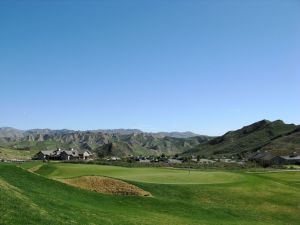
<point x="33" y="193"/>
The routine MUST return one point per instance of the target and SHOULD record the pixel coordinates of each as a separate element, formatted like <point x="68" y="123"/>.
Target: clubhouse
<point x="268" y="159"/>
<point x="60" y="154"/>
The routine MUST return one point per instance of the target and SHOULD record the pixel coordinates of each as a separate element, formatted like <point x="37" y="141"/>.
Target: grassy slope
<point x="263" y="198"/>
<point x="6" y="153"/>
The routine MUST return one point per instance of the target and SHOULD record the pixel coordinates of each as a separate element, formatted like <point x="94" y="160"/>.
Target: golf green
<point x="145" y="175"/>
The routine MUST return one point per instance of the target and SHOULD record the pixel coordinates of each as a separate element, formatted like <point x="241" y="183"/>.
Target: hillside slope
<point x="141" y="144"/>
<point x="247" y="139"/>
<point x="285" y="144"/>
<point x="121" y="143"/>
<point x="9" y="132"/>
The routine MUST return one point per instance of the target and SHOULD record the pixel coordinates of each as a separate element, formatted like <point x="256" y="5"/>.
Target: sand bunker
<point x="105" y="185"/>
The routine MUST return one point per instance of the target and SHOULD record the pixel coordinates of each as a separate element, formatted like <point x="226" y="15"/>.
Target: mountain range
<point x="273" y="136"/>
<point x="119" y="142"/>
<point x="10" y="132"/>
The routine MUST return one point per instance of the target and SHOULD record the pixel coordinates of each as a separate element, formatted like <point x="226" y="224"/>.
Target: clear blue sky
<point x="206" y="66"/>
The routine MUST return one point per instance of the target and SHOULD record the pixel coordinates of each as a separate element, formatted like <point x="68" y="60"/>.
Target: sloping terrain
<point x="9" y="132"/>
<point x="258" y="198"/>
<point x="16" y="154"/>
<point x="285" y="144"/>
<point x="246" y="140"/>
<point x="141" y="144"/>
<point x="118" y="144"/>
<point x="275" y="137"/>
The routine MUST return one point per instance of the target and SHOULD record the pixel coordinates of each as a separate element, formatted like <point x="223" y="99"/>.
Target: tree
<point x="100" y="155"/>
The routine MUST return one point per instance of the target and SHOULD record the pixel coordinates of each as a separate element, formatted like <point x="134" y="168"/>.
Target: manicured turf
<point x="146" y="175"/>
<point x="256" y="198"/>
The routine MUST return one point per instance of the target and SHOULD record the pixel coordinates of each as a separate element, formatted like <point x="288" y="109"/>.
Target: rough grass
<point x="258" y="198"/>
<point x="9" y="154"/>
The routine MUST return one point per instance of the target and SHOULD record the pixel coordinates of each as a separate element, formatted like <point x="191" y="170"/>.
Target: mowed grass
<point x="145" y="175"/>
<point x="289" y="178"/>
<point x="248" y="198"/>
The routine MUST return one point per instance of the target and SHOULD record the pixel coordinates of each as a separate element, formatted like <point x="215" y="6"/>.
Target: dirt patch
<point x="105" y="185"/>
<point x="34" y="169"/>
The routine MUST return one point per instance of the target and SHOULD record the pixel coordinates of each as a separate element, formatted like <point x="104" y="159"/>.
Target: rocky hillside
<point x="104" y="142"/>
<point x="263" y="135"/>
<point x="285" y="144"/>
<point x="9" y="132"/>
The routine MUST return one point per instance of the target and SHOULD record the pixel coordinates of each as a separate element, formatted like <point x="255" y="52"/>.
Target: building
<point x="144" y="161"/>
<point x="69" y="155"/>
<point x="206" y="161"/>
<point x="60" y="154"/>
<point x="262" y="158"/>
<point x="84" y="154"/>
<point x="267" y="159"/>
<point x="48" y="155"/>
<point x="41" y="155"/>
<point x="174" y="161"/>
<point x="113" y="158"/>
<point x="286" y="160"/>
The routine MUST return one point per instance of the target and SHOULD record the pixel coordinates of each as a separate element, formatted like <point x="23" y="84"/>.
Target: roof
<point x="70" y="152"/>
<point x="174" y="161"/>
<point x="49" y="152"/>
<point x="144" y="160"/>
<point x="206" y="160"/>
<point x="297" y="157"/>
<point x="81" y="152"/>
<point x="67" y="152"/>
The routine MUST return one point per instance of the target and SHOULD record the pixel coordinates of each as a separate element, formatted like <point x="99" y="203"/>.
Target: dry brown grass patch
<point x="105" y="185"/>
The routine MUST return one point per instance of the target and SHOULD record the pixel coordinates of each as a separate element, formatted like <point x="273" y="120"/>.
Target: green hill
<point x="247" y="139"/>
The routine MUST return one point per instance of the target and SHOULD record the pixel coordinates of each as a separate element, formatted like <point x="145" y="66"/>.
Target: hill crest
<point x="248" y="139"/>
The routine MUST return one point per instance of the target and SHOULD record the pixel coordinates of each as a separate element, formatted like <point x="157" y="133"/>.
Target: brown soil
<point x="105" y="185"/>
